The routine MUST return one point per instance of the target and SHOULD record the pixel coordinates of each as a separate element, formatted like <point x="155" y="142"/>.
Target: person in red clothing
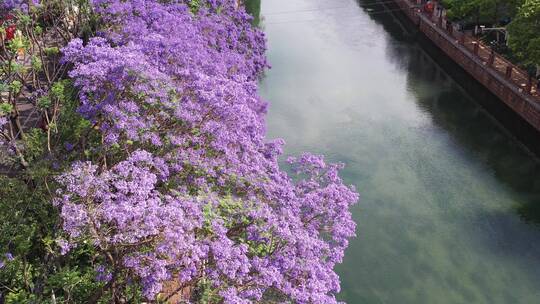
<point x="10" y="29"/>
<point x="10" y="32"/>
<point x="429" y="7"/>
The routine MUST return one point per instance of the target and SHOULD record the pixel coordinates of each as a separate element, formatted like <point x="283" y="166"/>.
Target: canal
<point x="450" y="202"/>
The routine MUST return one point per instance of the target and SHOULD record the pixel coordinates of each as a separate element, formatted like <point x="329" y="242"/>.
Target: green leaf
<point x="36" y="63"/>
<point x="38" y="30"/>
<point x="57" y="90"/>
<point x="15" y="86"/>
<point x="51" y="51"/>
<point x="44" y="102"/>
<point x="5" y="108"/>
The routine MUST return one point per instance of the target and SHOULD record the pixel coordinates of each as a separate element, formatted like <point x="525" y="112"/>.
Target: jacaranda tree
<point x="177" y="191"/>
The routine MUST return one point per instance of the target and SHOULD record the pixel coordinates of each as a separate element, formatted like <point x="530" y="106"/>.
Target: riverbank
<point x="512" y="101"/>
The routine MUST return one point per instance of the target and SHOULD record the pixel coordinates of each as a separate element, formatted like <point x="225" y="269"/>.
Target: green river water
<point x="450" y="202"/>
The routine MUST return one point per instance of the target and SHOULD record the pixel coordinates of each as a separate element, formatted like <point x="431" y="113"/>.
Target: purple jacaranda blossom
<point x="21" y="5"/>
<point x="65" y="247"/>
<point x="9" y="256"/>
<point x="103" y="274"/>
<point x="199" y="192"/>
<point x="68" y="146"/>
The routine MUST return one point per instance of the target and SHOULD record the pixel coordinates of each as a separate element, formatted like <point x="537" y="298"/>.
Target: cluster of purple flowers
<point x="196" y="196"/>
<point x="21" y="5"/>
<point x="8" y="257"/>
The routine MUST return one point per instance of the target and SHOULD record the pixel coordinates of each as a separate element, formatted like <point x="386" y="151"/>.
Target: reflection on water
<point x="450" y="202"/>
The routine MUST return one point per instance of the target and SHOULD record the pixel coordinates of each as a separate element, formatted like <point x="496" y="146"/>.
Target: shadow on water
<point x="461" y="114"/>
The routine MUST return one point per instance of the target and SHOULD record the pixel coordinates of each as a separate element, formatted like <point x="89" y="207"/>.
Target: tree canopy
<point x="149" y="166"/>
<point x="480" y="10"/>
<point x="522" y="20"/>
<point x="524" y="32"/>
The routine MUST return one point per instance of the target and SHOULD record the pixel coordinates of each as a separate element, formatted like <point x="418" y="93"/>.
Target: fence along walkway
<point x="516" y="75"/>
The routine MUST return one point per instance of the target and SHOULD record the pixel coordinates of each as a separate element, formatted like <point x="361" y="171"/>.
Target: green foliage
<point x="15" y="86"/>
<point x="38" y="30"/>
<point x="28" y="221"/>
<point x="58" y="89"/>
<point x="5" y="108"/>
<point x="206" y="294"/>
<point x="73" y="127"/>
<point x="480" y="10"/>
<point x="194" y="6"/>
<point x="233" y="214"/>
<point x="524" y="32"/>
<point x="35" y="142"/>
<point x="36" y="63"/>
<point x="51" y="51"/>
<point x="17" y="43"/>
<point x="31" y="267"/>
<point x="73" y="284"/>
<point x="524" y="29"/>
<point x="253" y="7"/>
<point x="44" y="102"/>
<point x="24" y="221"/>
<point x="24" y="19"/>
<point x="28" y="225"/>
<point x="16" y="67"/>
<point x="19" y="296"/>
